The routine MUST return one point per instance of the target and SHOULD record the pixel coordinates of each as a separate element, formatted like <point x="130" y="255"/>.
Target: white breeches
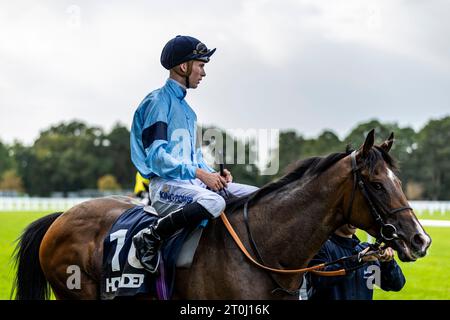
<point x="169" y="195"/>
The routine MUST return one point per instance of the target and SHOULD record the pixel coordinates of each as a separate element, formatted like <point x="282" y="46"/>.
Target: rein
<point x="387" y="232"/>
<point x="283" y="271"/>
<point x="314" y="269"/>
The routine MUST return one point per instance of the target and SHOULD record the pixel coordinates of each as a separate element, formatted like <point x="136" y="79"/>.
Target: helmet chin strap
<point x="186" y="74"/>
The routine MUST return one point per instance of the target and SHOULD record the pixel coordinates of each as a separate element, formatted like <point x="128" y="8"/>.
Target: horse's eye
<point x="377" y="186"/>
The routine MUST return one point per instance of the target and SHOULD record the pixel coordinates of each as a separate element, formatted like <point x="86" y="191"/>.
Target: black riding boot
<point x="148" y="241"/>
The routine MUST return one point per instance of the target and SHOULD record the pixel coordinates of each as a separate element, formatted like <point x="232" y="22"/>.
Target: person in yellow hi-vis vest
<point x="141" y="188"/>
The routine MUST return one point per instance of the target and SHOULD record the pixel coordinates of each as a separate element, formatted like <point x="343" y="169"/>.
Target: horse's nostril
<point x="418" y="240"/>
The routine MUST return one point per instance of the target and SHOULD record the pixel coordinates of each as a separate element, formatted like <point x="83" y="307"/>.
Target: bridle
<point x="387" y="232"/>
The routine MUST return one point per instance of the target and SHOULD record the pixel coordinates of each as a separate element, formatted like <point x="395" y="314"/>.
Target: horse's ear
<point x="368" y="144"/>
<point x="387" y="145"/>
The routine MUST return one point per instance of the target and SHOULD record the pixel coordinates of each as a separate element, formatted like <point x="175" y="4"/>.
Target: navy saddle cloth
<point x="123" y="274"/>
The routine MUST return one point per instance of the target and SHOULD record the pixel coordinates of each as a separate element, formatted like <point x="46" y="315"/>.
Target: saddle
<point x="122" y="273"/>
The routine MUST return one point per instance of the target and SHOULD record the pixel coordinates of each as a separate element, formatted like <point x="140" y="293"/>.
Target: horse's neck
<point x="291" y="225"/>
<point x="288" y="226"/>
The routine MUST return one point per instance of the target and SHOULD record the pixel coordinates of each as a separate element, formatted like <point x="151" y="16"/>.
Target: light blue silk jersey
<point x="163" y="136"/>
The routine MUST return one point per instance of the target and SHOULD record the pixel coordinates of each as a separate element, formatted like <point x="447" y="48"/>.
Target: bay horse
<point x="289" y="219"/>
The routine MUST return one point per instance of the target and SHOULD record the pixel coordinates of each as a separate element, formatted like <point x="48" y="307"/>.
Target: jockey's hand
<point x="228" y="177"/>
<point x="213" y="180"/>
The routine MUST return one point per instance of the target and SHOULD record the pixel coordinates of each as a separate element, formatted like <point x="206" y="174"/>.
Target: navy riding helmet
<point x="184" y="48"/>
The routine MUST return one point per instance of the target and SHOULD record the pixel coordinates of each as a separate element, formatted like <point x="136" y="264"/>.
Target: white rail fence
<point x="431" y="207"/>
<point x="38" y="204"/>
<point x="58" y="204"/>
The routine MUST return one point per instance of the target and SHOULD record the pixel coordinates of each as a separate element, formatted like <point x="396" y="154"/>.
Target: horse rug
<point x="122" y="273"/>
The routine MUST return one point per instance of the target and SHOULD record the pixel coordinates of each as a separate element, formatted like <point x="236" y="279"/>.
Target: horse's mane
<point x="307" y="168"/>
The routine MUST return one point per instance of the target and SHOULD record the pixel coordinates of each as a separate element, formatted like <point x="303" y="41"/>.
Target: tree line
<point x="74" y="156"/>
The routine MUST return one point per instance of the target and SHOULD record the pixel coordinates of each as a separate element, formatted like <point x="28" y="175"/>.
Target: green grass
<point x="433" y="215"/>
<point x="425" y="279"/>
<point x="11" y="226"/>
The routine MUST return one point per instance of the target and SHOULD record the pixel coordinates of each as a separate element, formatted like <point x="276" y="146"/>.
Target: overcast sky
<point x="307" y="65"/>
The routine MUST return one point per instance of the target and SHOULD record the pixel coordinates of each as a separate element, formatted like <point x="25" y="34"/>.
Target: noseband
<point x="387" y="231"/>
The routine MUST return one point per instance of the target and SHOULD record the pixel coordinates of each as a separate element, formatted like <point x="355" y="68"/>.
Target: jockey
<point x="164" y="147"/>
